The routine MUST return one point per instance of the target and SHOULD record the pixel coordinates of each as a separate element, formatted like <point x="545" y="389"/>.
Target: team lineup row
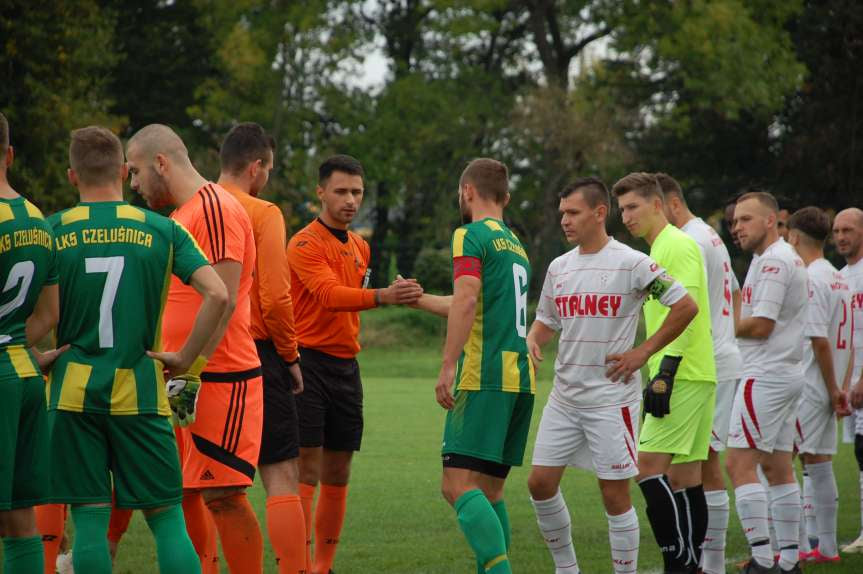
<point x="260" y="351"/>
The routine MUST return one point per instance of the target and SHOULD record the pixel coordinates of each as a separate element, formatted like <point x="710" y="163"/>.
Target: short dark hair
<point x="490" y="178"/>
<point x="245" y="143"/>
<point x="592" y="189"/>
<point x="96" y="155"/>
<point x="669" y="185"/>
<point x="4" y="134"/>
<point x="642" y="183"/>
<point x="343" y="163"/>
<point x="765" y="198"/>
<point x="813" y="221"/>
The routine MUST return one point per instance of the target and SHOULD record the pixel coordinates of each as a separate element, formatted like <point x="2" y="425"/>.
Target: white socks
<point x="825" y="500"/>
<point x="751" y="503"/>
<point x="805" y="507"/>
<point x="772" y="531"/>
<point x="809" y="507"/>
<point x="785" y="508"/>
<point x="623" y="534"/>
<point x="552" y="516"/>
<point x="713" y="550"/>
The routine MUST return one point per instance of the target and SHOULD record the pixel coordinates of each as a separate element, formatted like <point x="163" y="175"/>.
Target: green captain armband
<point x="660" y="286"/>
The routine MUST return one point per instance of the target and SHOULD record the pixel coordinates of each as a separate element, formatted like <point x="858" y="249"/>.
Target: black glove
<point x="657" y="393"/>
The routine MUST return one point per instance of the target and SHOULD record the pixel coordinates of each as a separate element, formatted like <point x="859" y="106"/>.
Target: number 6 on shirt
<point x="519" y="277"/>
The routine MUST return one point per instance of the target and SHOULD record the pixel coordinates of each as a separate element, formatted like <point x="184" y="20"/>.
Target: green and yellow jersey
<point x="115" y="263"/>
<point x="27" y="264"/>
<point x="495" y="357"/>
<point x="681" y="257"/>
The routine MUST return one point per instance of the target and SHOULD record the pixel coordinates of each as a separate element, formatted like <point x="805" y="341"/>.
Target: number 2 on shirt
<point x="519" y="277"/>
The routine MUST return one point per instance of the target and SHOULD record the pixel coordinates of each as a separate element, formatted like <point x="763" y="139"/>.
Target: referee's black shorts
<point x="331" y="404"/>
<point x="281" y="435"/>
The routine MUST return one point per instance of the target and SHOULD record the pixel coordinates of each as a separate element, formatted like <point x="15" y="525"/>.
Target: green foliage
<point x="433" y="269"/>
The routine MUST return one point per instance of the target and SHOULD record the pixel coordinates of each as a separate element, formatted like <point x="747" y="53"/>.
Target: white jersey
<point x="829" y="317"/>
<point x="595" y="301"/>
<point x="853" y="275"/>
<point x="775" y="288"/>
<point x="721" y="283"/>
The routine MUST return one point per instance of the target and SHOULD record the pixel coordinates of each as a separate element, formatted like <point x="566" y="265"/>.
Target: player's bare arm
<point x="821" y="349"/>
<point x="754" y="328"/>
<point x="45" y="316"/>
<point x="736" y="303"/>
<point x="680" y="314"/>
<point x="399" y="293"/>
<point x="210" y="322"/>
<point x="538" y="337"/>
<point x="459" y="322"/>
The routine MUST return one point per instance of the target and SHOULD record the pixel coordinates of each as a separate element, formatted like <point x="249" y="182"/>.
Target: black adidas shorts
<point x="331" y="404"/>
<point x="281" y="433"/>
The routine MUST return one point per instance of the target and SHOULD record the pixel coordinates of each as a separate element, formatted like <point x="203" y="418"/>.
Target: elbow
<point x="221" y="299"/>
<point x="690" y="310"/>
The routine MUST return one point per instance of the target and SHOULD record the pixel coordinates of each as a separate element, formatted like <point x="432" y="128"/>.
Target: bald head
<point x="848" y="234"/>
<point x="157" y="139"/>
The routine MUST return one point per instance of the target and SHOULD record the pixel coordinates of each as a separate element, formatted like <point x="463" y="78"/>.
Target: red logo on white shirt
<point x="588" y="305"/>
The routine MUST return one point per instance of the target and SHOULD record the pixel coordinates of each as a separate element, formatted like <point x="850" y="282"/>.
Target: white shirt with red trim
<point x="829" y="317"/>
<point x="721" y="283"/>
<point x="775" y="288"/>
<point x="853" y="274"/>
<point x="594" y="301"/>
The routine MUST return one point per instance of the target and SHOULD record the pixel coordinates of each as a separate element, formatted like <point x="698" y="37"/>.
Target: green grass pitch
<point x="397" y="521"/>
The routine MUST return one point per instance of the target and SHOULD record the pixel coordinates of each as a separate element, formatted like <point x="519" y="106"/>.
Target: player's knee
<point x="541" y="487"/>
<point x="223" y="499"/>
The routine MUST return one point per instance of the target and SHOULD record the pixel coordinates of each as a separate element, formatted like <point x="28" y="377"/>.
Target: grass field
<point x="397" y="521"/>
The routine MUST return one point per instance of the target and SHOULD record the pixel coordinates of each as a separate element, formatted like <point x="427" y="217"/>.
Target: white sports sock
<point x="772" y="531"/>
<point x="751" y="503"/>
<point x="623" y="534"/>
<point x="809" y="505"/>
<point x="552" y="516"/>
<point x="713" y="550"/>
<point x="826" y="502"/>
<point x="802" y="536"/>
<point x="786" y="520"/>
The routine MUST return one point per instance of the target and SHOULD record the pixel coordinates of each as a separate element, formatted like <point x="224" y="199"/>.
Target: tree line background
<point x="721" y="94"/>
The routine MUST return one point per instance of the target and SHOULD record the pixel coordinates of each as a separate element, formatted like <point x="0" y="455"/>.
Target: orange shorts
<point x="221" y="447"/>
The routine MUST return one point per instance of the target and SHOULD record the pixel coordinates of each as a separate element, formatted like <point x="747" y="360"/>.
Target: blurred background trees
<point x="721" y="94"/>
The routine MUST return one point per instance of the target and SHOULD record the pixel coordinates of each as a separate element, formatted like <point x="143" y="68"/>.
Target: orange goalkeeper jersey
<point x="272" y="307"/>
<point x="327" y="286"/>
<point x="221" y="227"/>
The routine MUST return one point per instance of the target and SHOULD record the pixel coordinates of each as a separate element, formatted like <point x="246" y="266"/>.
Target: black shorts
<point x="280" y="439"/>
<point x="331" y="404"/>
<point x="491" y="468"/>
<point x="858" y="450"/>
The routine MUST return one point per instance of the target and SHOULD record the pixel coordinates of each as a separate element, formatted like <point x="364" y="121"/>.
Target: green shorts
<point x="489" y="425"/>
<point x="138" y="451"/>
<point x="685" y="433"/>
<point x="24" y="472"/>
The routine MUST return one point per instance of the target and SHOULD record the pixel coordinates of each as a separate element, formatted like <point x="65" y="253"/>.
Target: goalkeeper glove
<point x="182" y="392"/>
<point x="657" y="393"/>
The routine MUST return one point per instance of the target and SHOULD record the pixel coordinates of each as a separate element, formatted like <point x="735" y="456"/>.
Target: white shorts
<point x="602" y="440"/>
<point x="725" y="391"/>
<point x="815" y="428"/>
<point x="764" y="415"/>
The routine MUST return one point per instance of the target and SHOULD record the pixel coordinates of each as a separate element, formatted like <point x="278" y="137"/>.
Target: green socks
<point x="90" y="552"/>
<point x="481" y="526"/>
<point x="23" y="555"/>
<point x="173" y="545"/>
<point x="502" y="515"/>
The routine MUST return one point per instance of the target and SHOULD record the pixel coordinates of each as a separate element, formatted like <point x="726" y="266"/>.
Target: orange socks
<point x="120" y="518"/>
<point x="307" y="498"/>
<point x="329" y="517"/>
<point x="51" y="522"/>
<point x="286" y="526"/>
<point x="202" y="531"/>
<point x="239" y="533"/>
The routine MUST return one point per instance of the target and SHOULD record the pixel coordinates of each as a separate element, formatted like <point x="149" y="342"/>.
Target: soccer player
<point x="593" y="296"/>
<point x="29" y="275"/>
<point x="219" y="450"/>
<point x="724" y="310"/>
<point x="329" y="276"/>
<point x="679" y="398"/>
<point x="825" y="363"/>
<point x="107" y="401"/>
<point x="770" y="336"/>
<point x="485" y="356"/>
<point x="848" y="237"/>
<point x="246" y="158"/>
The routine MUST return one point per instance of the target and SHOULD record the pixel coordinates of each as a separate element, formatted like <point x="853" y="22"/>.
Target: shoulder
<point x="358" y="239"/>
<point x="308" y="235"/>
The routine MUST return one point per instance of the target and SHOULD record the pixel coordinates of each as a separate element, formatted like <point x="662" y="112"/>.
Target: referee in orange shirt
<point x="246" y="160"/>
<point x="329" y="274"/>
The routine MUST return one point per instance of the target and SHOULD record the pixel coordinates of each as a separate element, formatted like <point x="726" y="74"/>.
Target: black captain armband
<point x="660" y="286"/>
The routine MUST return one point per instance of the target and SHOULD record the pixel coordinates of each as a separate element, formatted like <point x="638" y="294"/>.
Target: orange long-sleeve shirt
<point x="272" y="308"/>
<point x="327" y="278"/>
